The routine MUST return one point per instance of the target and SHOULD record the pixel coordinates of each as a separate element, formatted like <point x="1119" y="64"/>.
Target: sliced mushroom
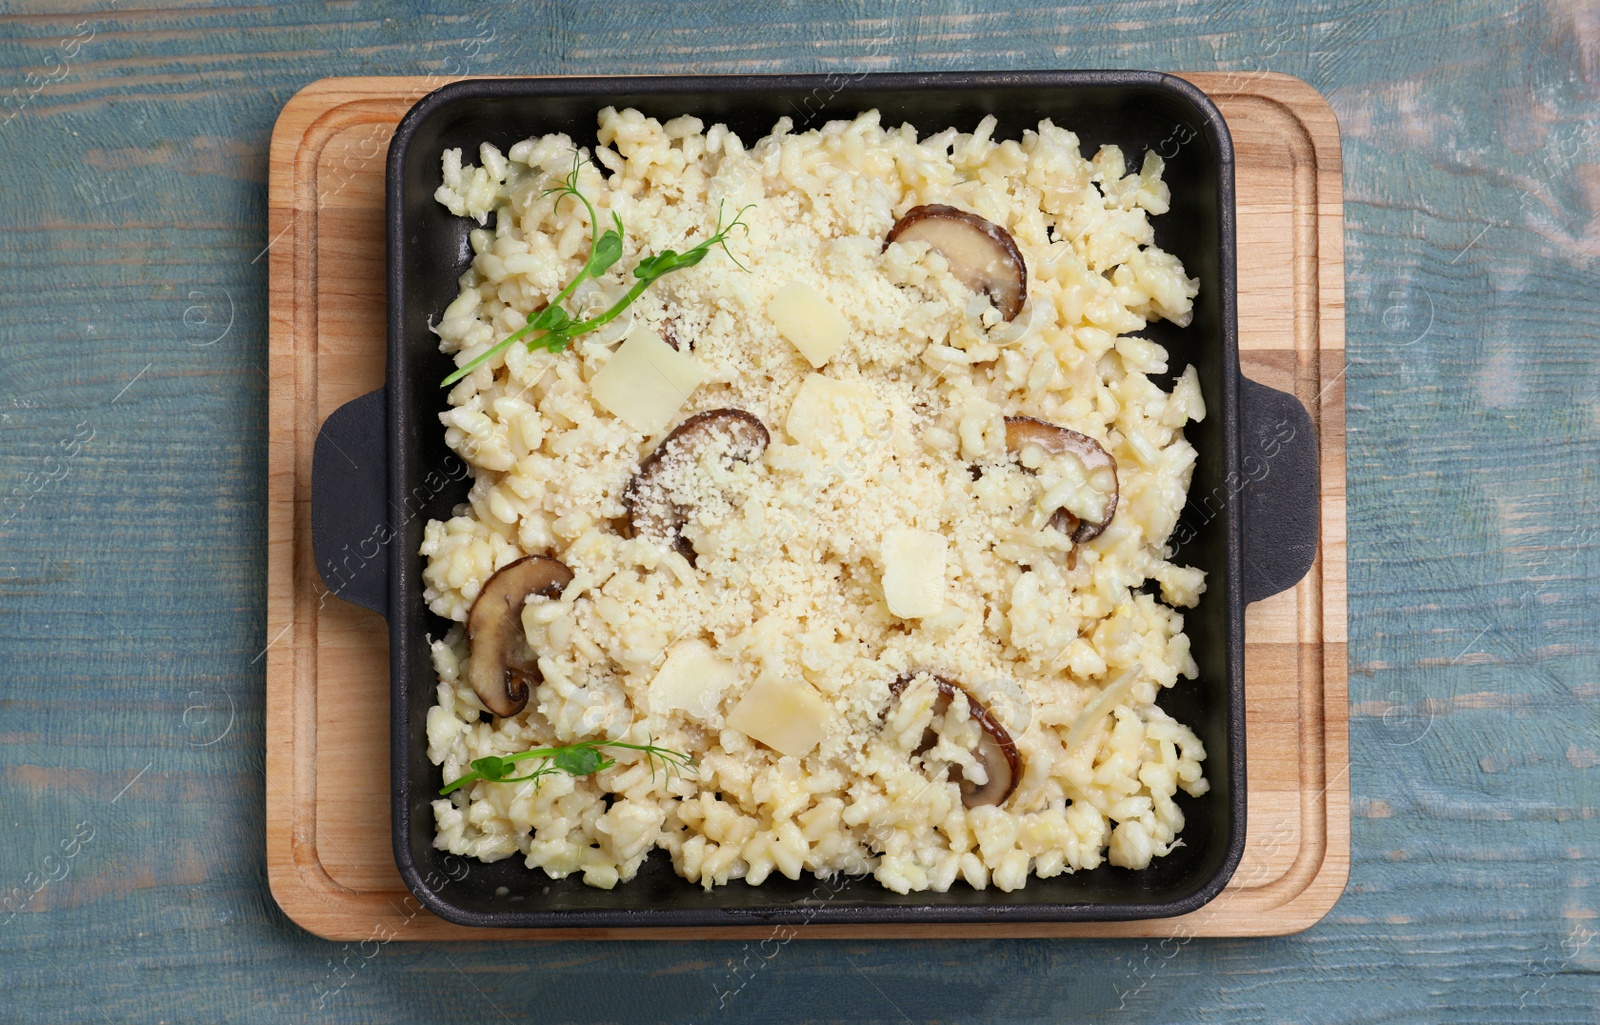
<point x="1099" y="467"/>
<point x="996" y="751"/>
<point x="504" y="669"/>
<point x="981" y="254"/>
<point x="652" y="513"/>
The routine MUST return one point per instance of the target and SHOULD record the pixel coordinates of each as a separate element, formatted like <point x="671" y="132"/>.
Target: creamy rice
<point x="903" y="443"/>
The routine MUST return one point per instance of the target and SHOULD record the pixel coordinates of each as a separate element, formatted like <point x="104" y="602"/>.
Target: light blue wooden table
<point x="133" y="162"/>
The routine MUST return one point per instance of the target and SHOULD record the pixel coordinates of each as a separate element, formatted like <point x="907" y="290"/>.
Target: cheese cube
<point x="913" y="572"/>
<point x="808" y="321"/>
<point x="646" y="381"/>
<point x="787" y="715"/>
<point x="827" y="412"/>
<point x="691" y="680"/>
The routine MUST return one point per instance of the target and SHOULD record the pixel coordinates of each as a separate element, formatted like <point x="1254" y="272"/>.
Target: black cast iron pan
<point x="1251" y="522"/>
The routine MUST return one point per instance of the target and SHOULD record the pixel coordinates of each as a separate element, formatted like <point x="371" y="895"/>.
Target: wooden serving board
<point x="328" y="840"/>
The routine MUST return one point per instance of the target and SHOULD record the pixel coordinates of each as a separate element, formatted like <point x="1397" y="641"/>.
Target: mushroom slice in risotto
<point x="503" y="668"/>
<point x="653" y="511"/>
<point x="1080" y="477"/>
<point x="981" y="254"/>
<point x="996" y="751"/>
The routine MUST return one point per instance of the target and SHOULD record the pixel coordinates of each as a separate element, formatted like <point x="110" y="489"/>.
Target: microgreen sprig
<point x="555" y="326"/>
<point x="580" y="759"/>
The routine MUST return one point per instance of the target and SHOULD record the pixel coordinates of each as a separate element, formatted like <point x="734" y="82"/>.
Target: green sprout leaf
<point x="553" y="319"/>
<point x="578" y="761"/>
<point x="581" y="759"/>
<point x="607" y="251"/>
<point x="554" y="326"/>
<point x="492" y="767"/>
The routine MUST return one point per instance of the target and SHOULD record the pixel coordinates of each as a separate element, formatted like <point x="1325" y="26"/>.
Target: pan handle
<point x="350" y="529"/>
<point x="1282" y="489"/>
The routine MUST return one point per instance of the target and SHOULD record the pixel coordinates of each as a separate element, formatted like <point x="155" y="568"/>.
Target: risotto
<point x="858" y="512"/>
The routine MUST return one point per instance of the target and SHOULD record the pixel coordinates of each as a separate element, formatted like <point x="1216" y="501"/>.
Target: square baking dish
<point x="1255" y="533"/>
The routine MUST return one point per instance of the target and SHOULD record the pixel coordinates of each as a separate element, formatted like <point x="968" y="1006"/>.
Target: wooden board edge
<point x="1301" y="101"/>
<point x="281" y="771"/>
<point x="380" y="916"/>
<point x="1321" y="125"/>
<point x="1295" y="94"/>
<point x="328" y="914"/>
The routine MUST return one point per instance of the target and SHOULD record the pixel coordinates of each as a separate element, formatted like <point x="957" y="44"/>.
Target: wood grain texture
<point x="328" y="849"/>
<point x="133" y="574"/>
